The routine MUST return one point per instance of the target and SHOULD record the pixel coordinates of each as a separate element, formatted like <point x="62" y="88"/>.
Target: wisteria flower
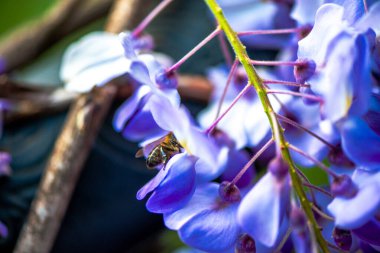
<point x="337" y="46"/>
<point x="208" y="221"/>
<point x="361" y="137"/>
<point x="262" y="211"/>
<point x="357" y="200"/>
<point x="246" y="122"/>
<point x="134" y="118"/>
<point x="200" y="161"/>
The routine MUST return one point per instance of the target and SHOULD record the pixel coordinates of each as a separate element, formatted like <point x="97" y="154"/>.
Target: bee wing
<point x="139" y="153"/>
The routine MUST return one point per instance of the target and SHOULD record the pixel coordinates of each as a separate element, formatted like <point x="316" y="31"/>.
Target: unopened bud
<point x="342" y="238"/>
<point x="229" y="192"/>
<point x="342" y="186"/>
<point x="245" y="244"/>
<point x="338" y="158"/>
<point x="278" y="167"/>
<point x="304" y="70"/>
<point x="166" y="80"/>
<point x="298" y="220"/>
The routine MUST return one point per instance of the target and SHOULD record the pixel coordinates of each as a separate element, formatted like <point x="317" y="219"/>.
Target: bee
<point x="161" y="153"/>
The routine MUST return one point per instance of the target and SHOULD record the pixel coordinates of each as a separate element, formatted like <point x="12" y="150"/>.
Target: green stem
<point x="278" y="132"/>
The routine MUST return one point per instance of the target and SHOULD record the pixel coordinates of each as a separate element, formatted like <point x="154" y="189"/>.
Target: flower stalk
<point x="278" y="133"/>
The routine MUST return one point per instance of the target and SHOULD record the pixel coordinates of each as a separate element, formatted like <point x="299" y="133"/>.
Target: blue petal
<point x="198" y="144"/>
<point x="262" y="210"/>
<point x="3" y="231"/>
<point x="360" y="143"/>
<point x="355" y="212"/>
<point x="369" y="232"/>
<point x="139" y="71"/>
<point x="129" y="107"/>
<point x="212" y="230"/>
<point x="304" y="11"/>
<point x="142" y="126"/>
<point x="371" y="19"/>
<point x="237" y="159"/>
<point x="152" y="184"/>
<point x="94" y="60"/>
<point x="177" y="187"/>
<point x="204" y="198"/>
<point x="169" y="117"/>
<point x="353" y="11"/>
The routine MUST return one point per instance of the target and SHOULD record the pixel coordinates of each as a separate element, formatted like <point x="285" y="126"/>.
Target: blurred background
<point x="103" y="214"/>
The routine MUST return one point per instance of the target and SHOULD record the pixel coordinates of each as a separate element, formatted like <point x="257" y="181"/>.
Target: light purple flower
<point x="173" y="185"/>
<point x="262" y="211"/>
<point x="207" y="222"/>
<point x="354" y="210"/>
<point x="337" y="46"/>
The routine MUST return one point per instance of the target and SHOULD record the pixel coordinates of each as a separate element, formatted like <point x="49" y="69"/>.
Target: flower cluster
<point x="322" y="90"/>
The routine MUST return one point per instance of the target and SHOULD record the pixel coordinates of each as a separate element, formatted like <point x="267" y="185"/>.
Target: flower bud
<point x="342" y="186"/>
<point x="298" y="220"/>
<point x="245" y="244"/>
<point x="229" y="192"/>
<point x="342" y="238"/>
<point x="144" y="42"/>
<point x="166" y="80"/>
<point x="278" y="167"/>
<point x="338" y="158"/>
<point x="304" y="70"/>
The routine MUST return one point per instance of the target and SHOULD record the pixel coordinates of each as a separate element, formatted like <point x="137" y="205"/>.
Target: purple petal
<point x="204" y="198"/>
<point x="262" y="210"/>
<point x="94" y="60"/>
<point x="212" y="230"/>
<point x="237" y="159"/>
<point x="152" y="184"/>
<point x="353" y="213"/>
<point x="177" y="187"/>
<point x="369" y="232"/>
<point x="304" y="11"/>
<point x="371" y="19"/>
<point x="372" y="117"/>
<point x="142" y="126"/>
<point x="201" y="146"/>
<point x="353" y="11"/>
<point x="360" y="143"/>
<point x="169" y="117"/>
<point x="139" y="71"/>
<point x="3" y="231"/>
<point x="129" y="107"/>
<point x="314" y="46"/>
<point x="127" y="42"/>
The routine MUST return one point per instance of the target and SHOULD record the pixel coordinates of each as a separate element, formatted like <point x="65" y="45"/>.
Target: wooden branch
<point x="67" y="159"/>
<point x="63" y="170"/>
<point x="124" y="15"/>
<point x="29" y="41"/>
<point x="29" y="102"/>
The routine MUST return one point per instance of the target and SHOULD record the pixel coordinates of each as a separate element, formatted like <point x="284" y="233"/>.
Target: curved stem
<point x="213" y="125"/>
<point x="195" y="49"/>
<point x="268" y="32"/>
<point x="295" y="124"/>
<point x="229" y="78"/>
<point x="253" y="159"/>
<point x="277" y="131"/>
<point x="140" y="28"/>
